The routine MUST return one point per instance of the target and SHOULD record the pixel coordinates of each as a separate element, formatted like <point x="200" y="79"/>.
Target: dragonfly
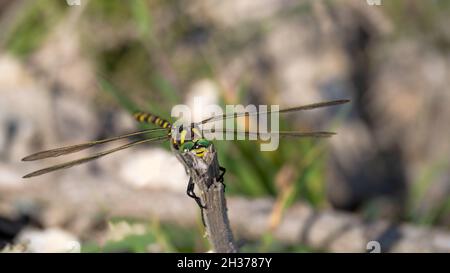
<point x="184" y="138"/>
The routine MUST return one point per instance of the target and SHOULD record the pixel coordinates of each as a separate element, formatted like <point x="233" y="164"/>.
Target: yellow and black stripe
<point x="193" y="133"/>
<point x="153" y="119"/>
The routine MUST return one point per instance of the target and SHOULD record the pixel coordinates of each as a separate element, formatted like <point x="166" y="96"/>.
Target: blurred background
<point x="73" y="73"/>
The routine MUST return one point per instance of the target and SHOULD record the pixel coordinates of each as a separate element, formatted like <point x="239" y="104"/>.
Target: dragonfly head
<point x="188" y="138"/>
<point x="198" y="147"/>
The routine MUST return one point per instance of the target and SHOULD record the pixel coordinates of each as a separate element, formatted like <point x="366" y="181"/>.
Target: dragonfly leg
<point x="190" y="192"/>
<point x="222" y="173"/>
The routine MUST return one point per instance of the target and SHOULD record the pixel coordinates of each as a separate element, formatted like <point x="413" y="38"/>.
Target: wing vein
<point x="79" y="147"/>
<point x="279" y="133"/>
<point x="292" y="109"/>
<point x="92" y="157"/>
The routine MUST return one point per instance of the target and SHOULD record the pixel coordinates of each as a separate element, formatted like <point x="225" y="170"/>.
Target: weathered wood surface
<point x="204" y="171"/>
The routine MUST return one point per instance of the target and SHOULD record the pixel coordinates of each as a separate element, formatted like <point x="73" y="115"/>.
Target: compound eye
<point x="203" y="143"/>
<point x="180" y="129"/>
<point x="187" y="146"/>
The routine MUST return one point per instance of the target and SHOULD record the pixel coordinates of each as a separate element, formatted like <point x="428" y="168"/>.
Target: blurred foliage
<point x="39" y="18"/>
<point x="154" y="61"/>
<point x="155" y="238"/>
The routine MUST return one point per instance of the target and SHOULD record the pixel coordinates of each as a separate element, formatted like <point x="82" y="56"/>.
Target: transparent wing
<point x="293" y="109"/>
<point x="76" y="148"/>
<point x="279" y="133"/>
<point x="93" y="157"/>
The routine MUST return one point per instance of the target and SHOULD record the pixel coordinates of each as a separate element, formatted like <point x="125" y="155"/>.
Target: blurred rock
<point x="202" y="94"/>
<point x="412" y="106"/>
<point x="153" y="169"/>
<point x="235" y="13"/>
<point x="60" y="60"/>
<point x="9" y="177"/>
<point x="24" y="109"/>
<point x="410" y="109"/>
<point x="48" y="241"/>
<point x="27" y="110"/>
<point x="317" y="63"/>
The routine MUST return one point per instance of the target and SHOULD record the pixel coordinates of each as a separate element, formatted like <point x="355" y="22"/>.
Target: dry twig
<point x="204" y="172"/>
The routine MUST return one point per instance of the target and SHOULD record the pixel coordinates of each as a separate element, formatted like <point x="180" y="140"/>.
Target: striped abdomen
<point x="150" y="118"/>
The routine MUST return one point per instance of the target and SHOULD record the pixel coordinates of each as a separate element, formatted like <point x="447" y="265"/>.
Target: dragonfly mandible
<point x="184" y="138"/>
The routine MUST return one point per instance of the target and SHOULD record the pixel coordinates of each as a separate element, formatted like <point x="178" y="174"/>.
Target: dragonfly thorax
<point x="188" y="138"/>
